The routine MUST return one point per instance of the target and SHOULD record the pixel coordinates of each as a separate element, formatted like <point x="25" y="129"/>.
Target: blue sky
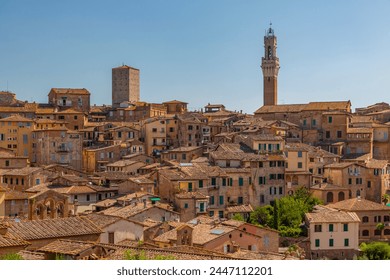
<point x="198" y="51"/>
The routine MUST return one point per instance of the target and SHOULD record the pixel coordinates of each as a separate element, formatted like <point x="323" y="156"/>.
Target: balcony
<point x="62" y="149"/>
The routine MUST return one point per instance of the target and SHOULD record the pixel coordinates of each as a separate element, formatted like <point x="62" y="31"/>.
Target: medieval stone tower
<point x="125" y="85"/>
<point x="270" y="67"/>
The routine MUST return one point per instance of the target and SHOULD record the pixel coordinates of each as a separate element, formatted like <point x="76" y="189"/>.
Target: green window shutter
<point x="224" y="182"/>
<point x="190" y="187"/>
<point x="330" y="227"/>
<point x="346" y="242"/>
<point x="213" y="181"/>
<point x="240" y="181"/>
<point x="317" y="243"/>
<point x="345" y="227"/>
<point x="331" y="242"/>
<point x="221" y="200"/>
<point x="200" y="183"/>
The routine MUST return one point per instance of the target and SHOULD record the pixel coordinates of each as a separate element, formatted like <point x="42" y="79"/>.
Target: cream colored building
<point x="333" y="234"/>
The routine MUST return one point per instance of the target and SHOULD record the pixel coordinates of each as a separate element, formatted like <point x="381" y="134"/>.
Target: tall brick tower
<point x="270" y="67"/>
<point x="125" y="85"/>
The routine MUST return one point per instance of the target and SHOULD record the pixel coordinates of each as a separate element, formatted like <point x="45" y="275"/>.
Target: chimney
<point x="3" y="228"/>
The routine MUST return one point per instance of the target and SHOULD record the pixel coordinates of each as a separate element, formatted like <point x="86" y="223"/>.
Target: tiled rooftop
<point x="358" y="204"/>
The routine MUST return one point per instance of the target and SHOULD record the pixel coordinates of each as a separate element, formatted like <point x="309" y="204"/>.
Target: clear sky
<point x="198" y="51"/>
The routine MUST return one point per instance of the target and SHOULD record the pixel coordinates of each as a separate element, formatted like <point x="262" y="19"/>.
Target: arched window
<point x="329" y="197"/>
<point x="341" y="196"/>
<point x="365" y="219"/>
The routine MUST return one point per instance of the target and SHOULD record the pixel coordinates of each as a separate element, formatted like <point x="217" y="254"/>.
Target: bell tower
<point x="270" y="67"/>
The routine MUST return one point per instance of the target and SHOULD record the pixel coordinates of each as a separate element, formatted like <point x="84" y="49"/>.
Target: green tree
<point x="238" y="217"/>
<point x="262" y="216"/>
<point x="141" y="255"/>
<point x="276" y="215"/>
<point x="375" y="251"/>
<point x="11" y="256"/>
<point x="385" y="198"/>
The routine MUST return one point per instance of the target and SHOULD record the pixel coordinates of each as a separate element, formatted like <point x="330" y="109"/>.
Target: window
<point x="211" y="213"/>
<point x="317" y="228"/>
<point x="224" y="182"/>
<point x="250" y="180"/>
<point x="314" y="122"/>
<point x="200" y="183"/>
<point x="346" y="242"/>
<point x="183" y="156"/>
<point x="327" y="134"/>
<point x="304" y="122"/>
<point x="221" y="200"/>
<point x="75" y="117"/>
<point x="190" y="187"/>
<point x="240" y="200"/>
<point x="368" y="184"/>
<point x="365" y="219"/>
<point x="377" y="219"/>
<point x="339" y="134"/>
<point x="330" y="227"/>
<point x="88" y="197"/>
<point x="299" y="164"/>
<point x="280" y="190"/>
<point x="261" y="180"/>
<point x="349" y="181"/>
<point x="345" y="227"/>
<point x="213" y="181"/>
<point x="185" y="205"/>
<point x="220" y="214"/>
<point x="262" y="200"/>
<point x="330" y="119"/>
<point x="331" y="242"/>
<point x="299" y="153"/>
<point x="111" y="237"/>
<point x="365" y="233"/>
<point x="7" y="163"/>
<point x="211" y="200"/>
<point x="317" y="243"/>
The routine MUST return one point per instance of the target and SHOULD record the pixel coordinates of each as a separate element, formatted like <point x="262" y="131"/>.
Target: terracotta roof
<point x="202" y="234"/>
<point x="374" y="163"/>
<point x="16" y="118"/>
<point x="327" y="186"/>
<point x="6" y="241"/>
<point x="16" y="195"/>
<point x="67" y="247"/>
<point x="31" y="255"/>
<point x="174" y="102"/>
<point x="332" y="216"/>
<point x="76" y="190"/>
<point x="358" y="204"/>
<point x="53" y="228"/>
<point x="106" y="203"/>
<point x="184" y="149"/>
<point x="77" y="91"/>
<point x="311" y="106"/>
<point x="328" y="105"/>
<point x="359" y="130"/>
<point x="253" y="255"/>
<point x="140" y="180"/>
<point x="290" y="108"/>
<point x="190" y="195"/>
<point x="239" y="209"/>
<point x="123" y="163"/>
<point x="132" y="210"/>
<point x="171" y="252"/>
<point x="22" y="171"/>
